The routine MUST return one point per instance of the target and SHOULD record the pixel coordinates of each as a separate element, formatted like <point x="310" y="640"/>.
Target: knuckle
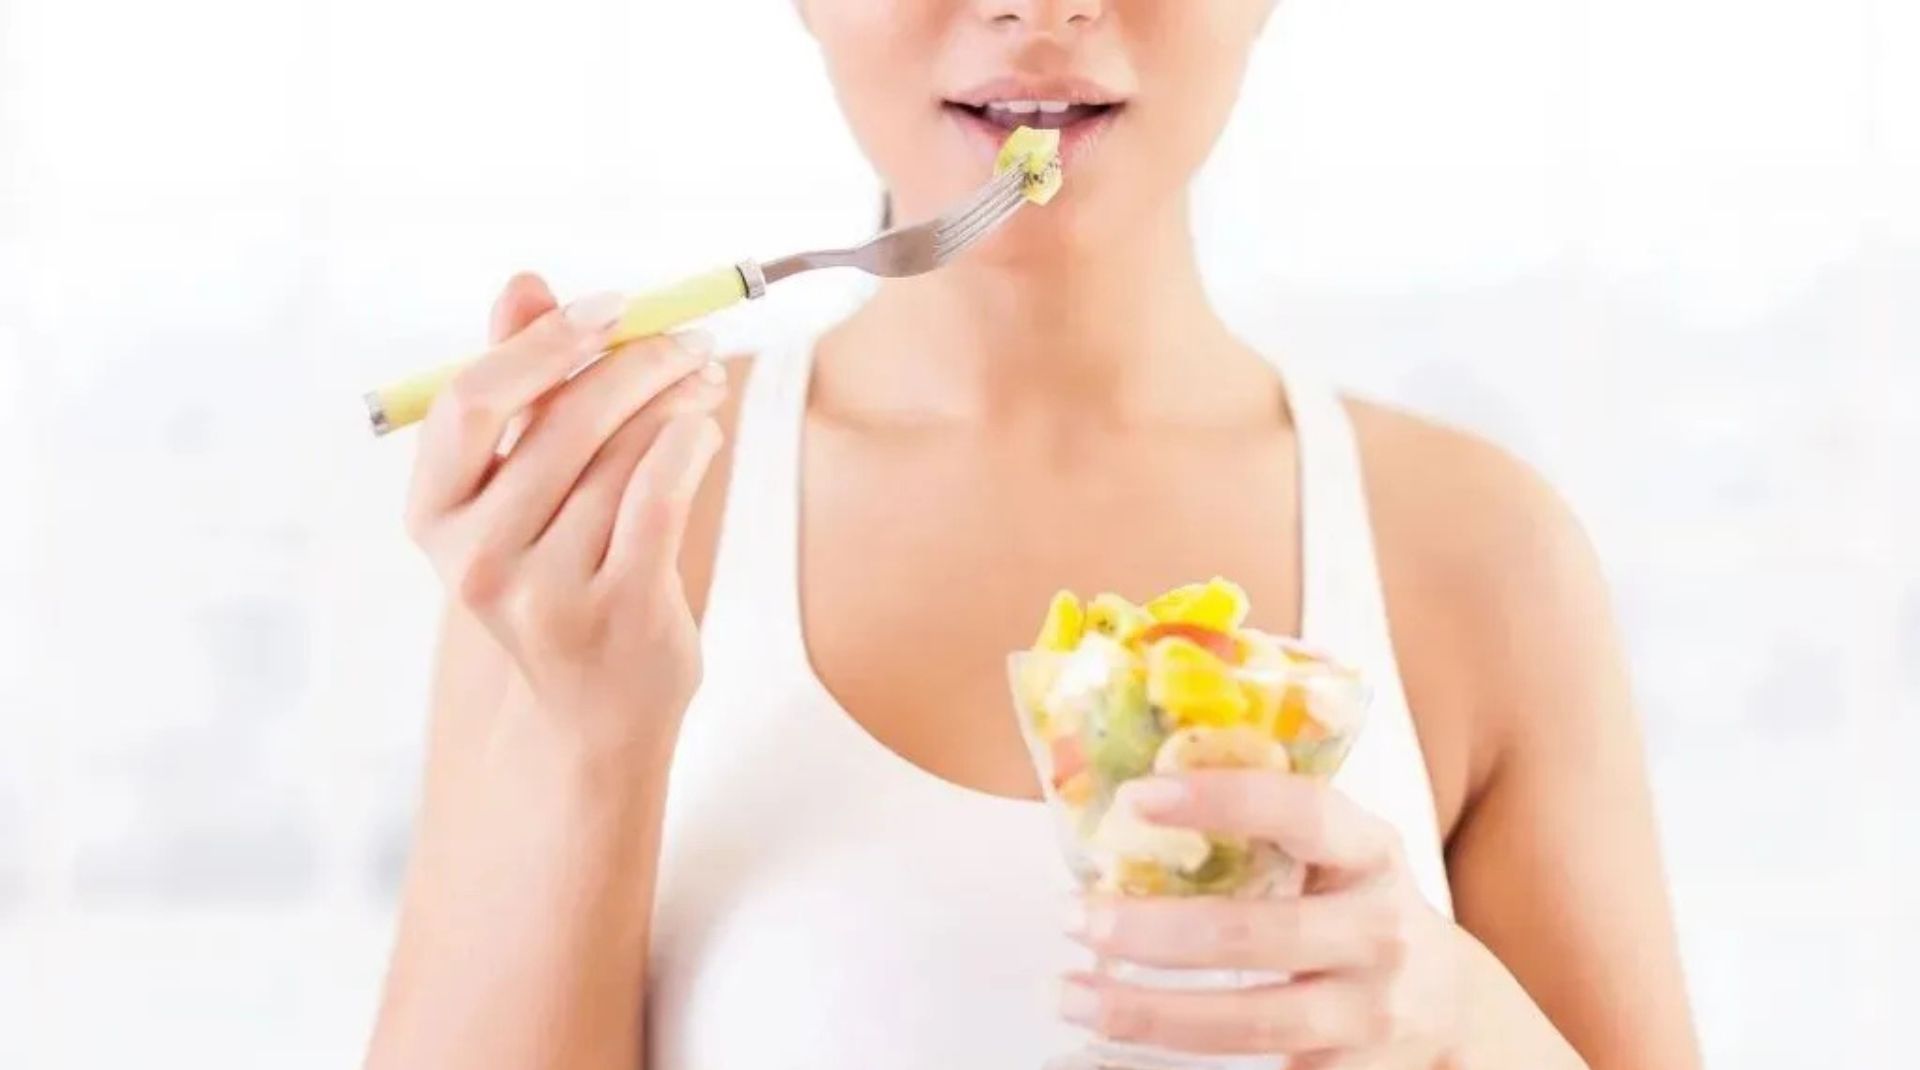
<point x="1234" y="935"/>
<point x="557" y="329"/>
<point x="553" y="616"/>
<point x="466" y="407"/>
<point x="1392" y="946"/>
<point x="1264" y="1034"/>
<point x="1315" y="811"/>
<point x="1393" y="942"/>
<point x="480" y="577"/>
<point x="1379" y="1020"/>
<point x="555" y="333"/>
<point x="1313" y="1027"/>
<point x="1284" y="927"/>
<point x="660" y="512"/>
<point x="1124" y="1017"/>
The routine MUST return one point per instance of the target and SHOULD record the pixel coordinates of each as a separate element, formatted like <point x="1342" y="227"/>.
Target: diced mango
<point x="1077" y="790"/>
<point x="1066" y="622"/>
<point x="1218" y="604"/>
<point x="1295" y="724"/>
<point x="1069" y="758"/>
<point x="1194" y="686"/>
<point x="1220" y="644"/>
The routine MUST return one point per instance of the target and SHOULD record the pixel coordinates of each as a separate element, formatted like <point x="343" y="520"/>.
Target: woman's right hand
<point x="565" y="546"/>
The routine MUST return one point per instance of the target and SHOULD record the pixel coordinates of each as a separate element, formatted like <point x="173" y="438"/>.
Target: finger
<point x="522" y="300"/>
<point x="652" y="519"/>
<point x="468" y="419"/>
<point x="573" y="424"/>
<point x="1295" y="934"/>
<point x="525" y="298"/>
<point x="1302" y="816"/>
<point x="1314" y="1015"/>
<point x="577" y="539"/>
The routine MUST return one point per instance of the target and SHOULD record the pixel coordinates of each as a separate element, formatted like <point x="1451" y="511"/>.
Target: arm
<point x="1555" y="863"/>
<point x="523" y="923"/>
<point x="1563" y="955"/>
<point x="568" y="655"/>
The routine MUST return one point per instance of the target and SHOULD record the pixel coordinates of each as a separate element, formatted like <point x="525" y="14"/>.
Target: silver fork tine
<point x="947" y="244"/>
<point x="904" y="250"/>
<point x="987" y="209"/>
<point x="986" y="201"/>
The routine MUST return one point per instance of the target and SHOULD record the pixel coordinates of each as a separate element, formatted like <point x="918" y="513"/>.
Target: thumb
<point x="524" y="299"/>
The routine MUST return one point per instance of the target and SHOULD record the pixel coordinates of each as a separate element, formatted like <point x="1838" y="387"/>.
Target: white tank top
<point x="823" y="903"/>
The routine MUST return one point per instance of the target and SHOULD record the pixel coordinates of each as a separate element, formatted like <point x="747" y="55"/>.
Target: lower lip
<point x="1077" y="138"/>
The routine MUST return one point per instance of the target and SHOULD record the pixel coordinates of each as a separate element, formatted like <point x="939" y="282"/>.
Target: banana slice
<point x="1123" y="837"/>
<point x="1239" y="747"/>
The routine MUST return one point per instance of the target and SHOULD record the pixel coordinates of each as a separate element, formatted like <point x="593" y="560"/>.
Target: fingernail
<point x="714" y="373"/>
<point x="598" y="311"/>
<point x="698" y="343"/>
<point x="1154" y="794"/>
<point x="1079" y="1003"/>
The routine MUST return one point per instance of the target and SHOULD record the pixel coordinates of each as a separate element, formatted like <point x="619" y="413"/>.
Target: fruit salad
<point x="1112" y="690"/>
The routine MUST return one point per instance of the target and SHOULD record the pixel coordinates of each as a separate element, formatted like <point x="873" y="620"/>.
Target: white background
<point x="1669" y="250"/>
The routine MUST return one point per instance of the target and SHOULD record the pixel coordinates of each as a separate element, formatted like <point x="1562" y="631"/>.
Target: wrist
<point x="595" y="757"/>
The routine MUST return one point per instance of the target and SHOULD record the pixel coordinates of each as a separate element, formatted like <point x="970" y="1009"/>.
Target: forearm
<point x="523" y="931"/>
<point x="1504" y="1029"/>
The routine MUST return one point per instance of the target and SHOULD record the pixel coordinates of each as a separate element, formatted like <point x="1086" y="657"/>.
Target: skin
<point x="1066" y="377"/>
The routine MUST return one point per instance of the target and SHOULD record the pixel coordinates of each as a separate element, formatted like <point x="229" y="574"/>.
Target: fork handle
<point x="406" y="402"/>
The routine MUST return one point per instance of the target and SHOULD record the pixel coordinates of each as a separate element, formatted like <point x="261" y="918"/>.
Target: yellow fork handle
<point x="407" y="401"/>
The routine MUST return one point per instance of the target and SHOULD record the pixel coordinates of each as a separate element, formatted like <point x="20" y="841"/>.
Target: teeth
<point x="1054" y="107"/>
<point x="1017" y="107"/>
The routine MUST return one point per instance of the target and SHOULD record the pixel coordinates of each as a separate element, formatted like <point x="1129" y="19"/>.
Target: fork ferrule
<point x="755" y="278"/>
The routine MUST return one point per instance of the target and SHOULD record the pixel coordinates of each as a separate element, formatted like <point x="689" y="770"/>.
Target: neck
<point x="1115" y="328"/>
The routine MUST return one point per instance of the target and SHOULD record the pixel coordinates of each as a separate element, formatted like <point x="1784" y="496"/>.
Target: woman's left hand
<point x="1379" y="975"/>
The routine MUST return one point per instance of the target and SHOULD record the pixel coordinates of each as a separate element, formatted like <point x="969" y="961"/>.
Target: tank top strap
<point x="1344" y="611"/>
<point x="1343" y="607"/>
<point x="757" y="553"/>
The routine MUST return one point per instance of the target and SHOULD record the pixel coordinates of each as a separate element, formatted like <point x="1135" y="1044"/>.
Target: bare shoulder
<point x="1472" y="504"/>
<point x="1485" y="566"/>
<point x="710" y="505"/>
<point x="1518" y="683"/>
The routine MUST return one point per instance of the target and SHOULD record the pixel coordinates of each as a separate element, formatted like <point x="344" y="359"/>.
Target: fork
<point x="895" y="253"/>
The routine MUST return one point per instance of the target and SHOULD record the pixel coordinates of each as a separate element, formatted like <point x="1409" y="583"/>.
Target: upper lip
<point x="1067" y="90"/>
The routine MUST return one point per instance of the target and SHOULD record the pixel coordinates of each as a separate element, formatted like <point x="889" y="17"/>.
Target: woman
<point x="847" y="869"/>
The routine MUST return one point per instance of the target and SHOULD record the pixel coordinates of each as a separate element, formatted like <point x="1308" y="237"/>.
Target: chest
<point x="926" y="558"/>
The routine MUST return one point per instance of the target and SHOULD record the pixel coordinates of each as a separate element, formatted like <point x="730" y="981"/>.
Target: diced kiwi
<point x="1225" y="867"/>
<point x="1116" y="618"/>
<point x="1037" y="152"/>
<point x="1122" y="732"/>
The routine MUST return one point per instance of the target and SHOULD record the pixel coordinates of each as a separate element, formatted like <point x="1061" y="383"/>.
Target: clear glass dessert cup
<point x="1090" y="727"/>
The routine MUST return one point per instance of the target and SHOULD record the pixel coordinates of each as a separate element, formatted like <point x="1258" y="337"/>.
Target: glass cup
<point x="1096" y="718"/>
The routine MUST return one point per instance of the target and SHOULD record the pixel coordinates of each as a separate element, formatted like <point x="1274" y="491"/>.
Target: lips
<point x="1081" y="115"/>
<point x="1039" y="114"/>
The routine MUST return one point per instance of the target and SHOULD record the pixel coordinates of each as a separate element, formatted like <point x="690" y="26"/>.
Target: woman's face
<point x="1138" y="88"/>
